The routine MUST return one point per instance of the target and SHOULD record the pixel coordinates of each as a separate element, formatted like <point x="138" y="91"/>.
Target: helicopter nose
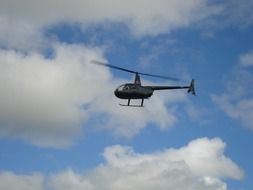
<point x="116" y="93"/>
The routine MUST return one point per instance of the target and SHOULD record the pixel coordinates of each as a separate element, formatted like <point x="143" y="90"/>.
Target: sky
<point x="62" y="128"/>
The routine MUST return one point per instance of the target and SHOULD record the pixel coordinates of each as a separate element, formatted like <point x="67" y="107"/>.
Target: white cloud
<point x="21" y="22"/>
<point x="128" y="121"/>
<point x="246" y="60"/>
<point x="200" y="165"/>
<point x="240" y="109"/>
<point x="48" y="101"/>
<point x="201" y="157"/>
<point x="70" y="180"/>
<point x="237" y="99"/>
<point x="20" y="34"/>
<point x="41" y="99"/>
<point x="12" y="181"/>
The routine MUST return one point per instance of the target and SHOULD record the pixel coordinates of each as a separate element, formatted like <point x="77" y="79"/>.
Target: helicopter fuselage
<point x="133" y="91"/>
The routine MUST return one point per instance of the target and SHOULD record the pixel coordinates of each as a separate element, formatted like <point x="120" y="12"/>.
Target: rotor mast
<point x="137" y="79"/>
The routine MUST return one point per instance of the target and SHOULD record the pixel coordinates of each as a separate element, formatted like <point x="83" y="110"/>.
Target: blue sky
<point x="61" y="126"/>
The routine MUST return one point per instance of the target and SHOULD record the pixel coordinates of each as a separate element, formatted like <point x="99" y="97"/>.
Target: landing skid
<point x="128" y="104"/>
<point x="139" y="106"/>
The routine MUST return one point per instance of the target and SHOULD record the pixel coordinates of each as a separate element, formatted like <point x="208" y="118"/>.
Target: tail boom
<point x="191" y="87"/>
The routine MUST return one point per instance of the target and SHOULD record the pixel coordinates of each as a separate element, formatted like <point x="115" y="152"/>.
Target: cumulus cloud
<point x="127" y="122"/>
<point x="201" y="157"/>
<point x="21" y="35"/>
<point x="22" y="22"/>
<point x="41" y="99"/>
<point x="48" y="101"/>
<point x="199" y="165"/>
<point x="12" y="181"/>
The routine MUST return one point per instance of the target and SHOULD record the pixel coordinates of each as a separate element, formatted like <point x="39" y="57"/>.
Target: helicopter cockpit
<point x="124" y="87"/>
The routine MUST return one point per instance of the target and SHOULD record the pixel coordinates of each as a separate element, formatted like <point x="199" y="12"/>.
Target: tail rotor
<point x="192" y="88"/>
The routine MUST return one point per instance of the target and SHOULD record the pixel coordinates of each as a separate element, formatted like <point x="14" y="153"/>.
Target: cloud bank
<point x="199" y="165"/>
<point x="41" y="98"/>
<point x="22" y="23"/>
<point x="142" y="18"/>
<point x="12" y="181"/>
<point x="48" y="101"/>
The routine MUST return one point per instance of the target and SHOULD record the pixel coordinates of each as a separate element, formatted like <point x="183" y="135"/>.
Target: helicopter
<point x="136" y="90"/>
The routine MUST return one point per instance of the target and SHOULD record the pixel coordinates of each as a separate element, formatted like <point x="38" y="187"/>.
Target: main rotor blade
<point x="160" y="76"/>
<point x="112" y="66"/>
<point x="135" y="72"/>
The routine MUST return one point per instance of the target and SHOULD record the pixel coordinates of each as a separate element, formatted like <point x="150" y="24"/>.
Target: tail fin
<point x="192" y="87"/>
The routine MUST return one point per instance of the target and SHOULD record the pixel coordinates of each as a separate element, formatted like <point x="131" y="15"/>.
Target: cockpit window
<point x="124" y="87"/>
<point x="120" y="88"/>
